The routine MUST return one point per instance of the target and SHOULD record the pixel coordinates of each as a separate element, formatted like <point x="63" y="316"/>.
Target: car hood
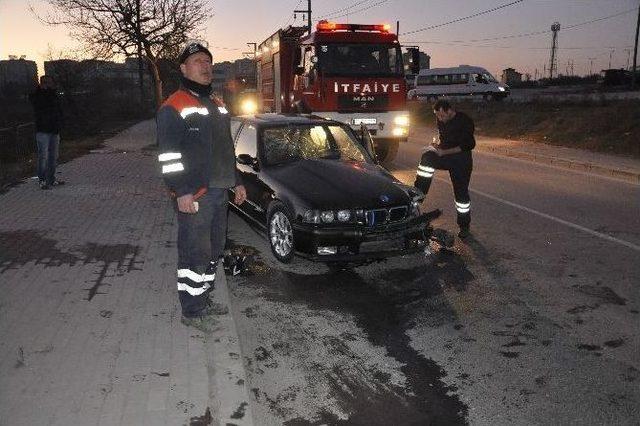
<point x="334" y="184"/>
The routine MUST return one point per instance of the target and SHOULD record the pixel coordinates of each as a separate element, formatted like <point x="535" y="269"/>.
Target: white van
<point x="465" y="80"/>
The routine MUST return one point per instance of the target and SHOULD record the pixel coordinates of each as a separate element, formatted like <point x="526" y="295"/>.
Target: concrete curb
<point x="228" y="393"/>
<point x="625" y="175"/>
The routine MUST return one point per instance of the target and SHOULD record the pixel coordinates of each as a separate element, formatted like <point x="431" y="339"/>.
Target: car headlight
<point x="327" y="216"/>
<point x="401" y="120"/>
<point x="399" y="131"/>
<point x="312" y="216"/>
<point x="502" y="89"/>
<point x="344" y="215"/>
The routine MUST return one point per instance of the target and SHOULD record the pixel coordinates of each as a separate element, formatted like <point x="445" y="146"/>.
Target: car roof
<point x="268" y="119"/>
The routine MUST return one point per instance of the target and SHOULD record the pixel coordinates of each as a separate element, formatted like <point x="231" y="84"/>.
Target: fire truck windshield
<point x="360" y="60"/>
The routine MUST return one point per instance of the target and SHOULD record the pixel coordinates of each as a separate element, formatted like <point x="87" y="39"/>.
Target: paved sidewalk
<point x="90" y="328"/>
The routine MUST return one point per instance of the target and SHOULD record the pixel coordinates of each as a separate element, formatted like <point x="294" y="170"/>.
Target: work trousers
<point x="459" y="166"/>
<point x="201" y="240"/>
<point x="48" y="144"/>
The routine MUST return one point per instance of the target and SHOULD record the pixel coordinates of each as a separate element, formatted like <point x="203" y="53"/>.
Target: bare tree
<point x="108" y="28"/>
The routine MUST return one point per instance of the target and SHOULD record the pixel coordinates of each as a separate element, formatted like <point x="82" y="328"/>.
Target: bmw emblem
<point x="384" y="198"/>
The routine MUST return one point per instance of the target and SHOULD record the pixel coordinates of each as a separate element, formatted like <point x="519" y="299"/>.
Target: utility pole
<point x="252" y="53"/>
<point x="610" y="56"/>
<point x="635" y="54"/>
<point x="140" y="69"/>
<point x="308" y="13"/>
<point x="591" y="66"/>
<point x="553" y="64"/>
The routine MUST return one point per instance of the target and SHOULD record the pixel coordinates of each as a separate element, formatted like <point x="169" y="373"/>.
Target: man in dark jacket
<point x="48" y="115"/>
<point x="199" y="167"/>
<point x="452" y="153"/>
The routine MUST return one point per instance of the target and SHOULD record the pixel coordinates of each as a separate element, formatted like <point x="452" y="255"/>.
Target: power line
<point x="335" y="12"/>
<point x="534" y="33"/>
<point x="362" y="9"/>
<point x="292" y="16"/>
<point x="475" y="15"/>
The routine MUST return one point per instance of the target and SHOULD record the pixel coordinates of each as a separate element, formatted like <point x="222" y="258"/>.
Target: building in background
<point x="511" y="77"/>
<point x="18" y="76"/>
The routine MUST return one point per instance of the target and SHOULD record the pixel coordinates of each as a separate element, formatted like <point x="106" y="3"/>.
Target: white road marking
<point x="558" y="220"/>
<point x="546" y="216"/>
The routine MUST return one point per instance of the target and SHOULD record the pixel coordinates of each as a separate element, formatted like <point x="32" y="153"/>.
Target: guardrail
<point x="17" y="143"/>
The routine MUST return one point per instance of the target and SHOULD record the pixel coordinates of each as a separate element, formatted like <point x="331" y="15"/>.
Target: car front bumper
<point x="354" y="242"/>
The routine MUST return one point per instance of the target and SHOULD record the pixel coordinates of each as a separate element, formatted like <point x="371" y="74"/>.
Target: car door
<point x="249" y="169"/>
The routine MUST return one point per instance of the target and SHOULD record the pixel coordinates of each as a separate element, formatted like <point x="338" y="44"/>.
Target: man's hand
<point x="240" y="194"/>
<point x="434" y="149"/>
<point x="186" y="204"/>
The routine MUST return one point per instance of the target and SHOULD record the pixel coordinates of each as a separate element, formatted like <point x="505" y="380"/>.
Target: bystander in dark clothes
<point x="49" y="119"/>
<point x="451" y="153"/>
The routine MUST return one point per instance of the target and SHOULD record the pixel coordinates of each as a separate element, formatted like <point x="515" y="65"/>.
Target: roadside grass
<point x="601" y="126"/>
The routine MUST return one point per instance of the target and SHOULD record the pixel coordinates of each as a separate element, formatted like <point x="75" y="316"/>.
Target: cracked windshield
<point x="288" y="144"/>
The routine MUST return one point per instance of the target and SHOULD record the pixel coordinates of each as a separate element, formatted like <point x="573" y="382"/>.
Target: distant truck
<point x="346" y="72"/>
<point x="464" y="80"/>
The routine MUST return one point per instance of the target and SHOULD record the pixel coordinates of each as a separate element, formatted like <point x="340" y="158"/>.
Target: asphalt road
<point x="533" y="320"/>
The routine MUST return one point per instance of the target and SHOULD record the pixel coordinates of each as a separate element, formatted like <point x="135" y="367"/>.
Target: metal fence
<point x="17" y="143"/>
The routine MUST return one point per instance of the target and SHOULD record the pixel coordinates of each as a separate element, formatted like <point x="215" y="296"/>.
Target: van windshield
<point x="360" y="59"/>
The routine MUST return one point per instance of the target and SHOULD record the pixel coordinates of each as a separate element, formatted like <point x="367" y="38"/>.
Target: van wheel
<point x="280" y="232"/>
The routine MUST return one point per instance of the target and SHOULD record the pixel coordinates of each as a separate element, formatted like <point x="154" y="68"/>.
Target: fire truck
<point x="346" y="72"/>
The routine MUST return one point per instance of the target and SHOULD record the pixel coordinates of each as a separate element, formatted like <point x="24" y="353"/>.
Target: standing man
<point x="48" y="114"/>
<point x="453" y="153"/>
<point x="198" y="166"/>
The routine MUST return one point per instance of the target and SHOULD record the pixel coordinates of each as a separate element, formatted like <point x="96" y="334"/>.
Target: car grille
<point x="381" y="216"/>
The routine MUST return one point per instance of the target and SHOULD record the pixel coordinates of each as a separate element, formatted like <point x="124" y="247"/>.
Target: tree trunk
<point x="157" y="82"/>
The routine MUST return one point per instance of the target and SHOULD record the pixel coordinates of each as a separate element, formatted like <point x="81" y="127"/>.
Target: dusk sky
<point x="495" y="40"/>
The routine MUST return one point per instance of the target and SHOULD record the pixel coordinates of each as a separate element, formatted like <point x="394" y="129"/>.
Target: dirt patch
<point x="601" y="126"/>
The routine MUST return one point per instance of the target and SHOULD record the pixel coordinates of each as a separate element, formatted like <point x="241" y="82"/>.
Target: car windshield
<point x="360" y="60"/>
<point x="293" y="143"/>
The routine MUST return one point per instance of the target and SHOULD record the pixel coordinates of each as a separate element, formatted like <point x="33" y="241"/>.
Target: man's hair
<point x="442" y="104"/>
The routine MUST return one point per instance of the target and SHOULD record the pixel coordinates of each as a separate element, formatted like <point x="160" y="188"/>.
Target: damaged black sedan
<point x="315" y="187"/>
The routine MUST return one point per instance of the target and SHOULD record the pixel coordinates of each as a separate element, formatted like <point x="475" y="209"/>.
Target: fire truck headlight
<point x="248" y="106"/>
<point x="399" y="131"/>
<point x="401" y="120"/>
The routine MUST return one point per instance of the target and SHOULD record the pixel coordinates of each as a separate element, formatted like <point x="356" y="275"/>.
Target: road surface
<point x="533" y="320"/>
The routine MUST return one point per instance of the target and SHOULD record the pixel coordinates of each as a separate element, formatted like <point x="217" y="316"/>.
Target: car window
<point x="246" y="143"/>
<point x="293" y="143"/>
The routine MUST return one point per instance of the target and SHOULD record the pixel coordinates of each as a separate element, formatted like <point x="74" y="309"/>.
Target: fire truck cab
<point x="346" y="72"/>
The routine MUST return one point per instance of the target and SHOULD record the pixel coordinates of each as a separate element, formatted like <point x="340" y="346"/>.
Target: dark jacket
<point x="457" y="132"/>
<point x="196" y="148"/>
<point x="47" y="110"/>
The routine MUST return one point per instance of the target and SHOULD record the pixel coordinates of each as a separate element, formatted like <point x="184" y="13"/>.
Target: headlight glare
<point x="401" y="120"/>
<point x="399" y="131"/>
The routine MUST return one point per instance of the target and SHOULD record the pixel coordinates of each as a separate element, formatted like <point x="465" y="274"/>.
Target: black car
<point x="315" y="187"/>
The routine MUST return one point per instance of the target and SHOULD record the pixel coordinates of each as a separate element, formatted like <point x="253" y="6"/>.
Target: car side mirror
<point x="415" y="60"/>
<point x="246" y="160"/>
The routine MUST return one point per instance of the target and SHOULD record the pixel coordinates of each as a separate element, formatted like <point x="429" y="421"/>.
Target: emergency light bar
<point x="326" y="26"/>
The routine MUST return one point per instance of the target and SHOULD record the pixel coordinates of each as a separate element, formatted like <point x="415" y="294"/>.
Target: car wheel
<point x="280" y="233"/>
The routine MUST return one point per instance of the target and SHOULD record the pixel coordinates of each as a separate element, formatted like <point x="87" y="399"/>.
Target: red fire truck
<point x="347" y="72"/>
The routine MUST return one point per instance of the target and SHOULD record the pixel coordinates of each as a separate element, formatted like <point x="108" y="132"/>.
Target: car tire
<point x="280" y="232"/>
